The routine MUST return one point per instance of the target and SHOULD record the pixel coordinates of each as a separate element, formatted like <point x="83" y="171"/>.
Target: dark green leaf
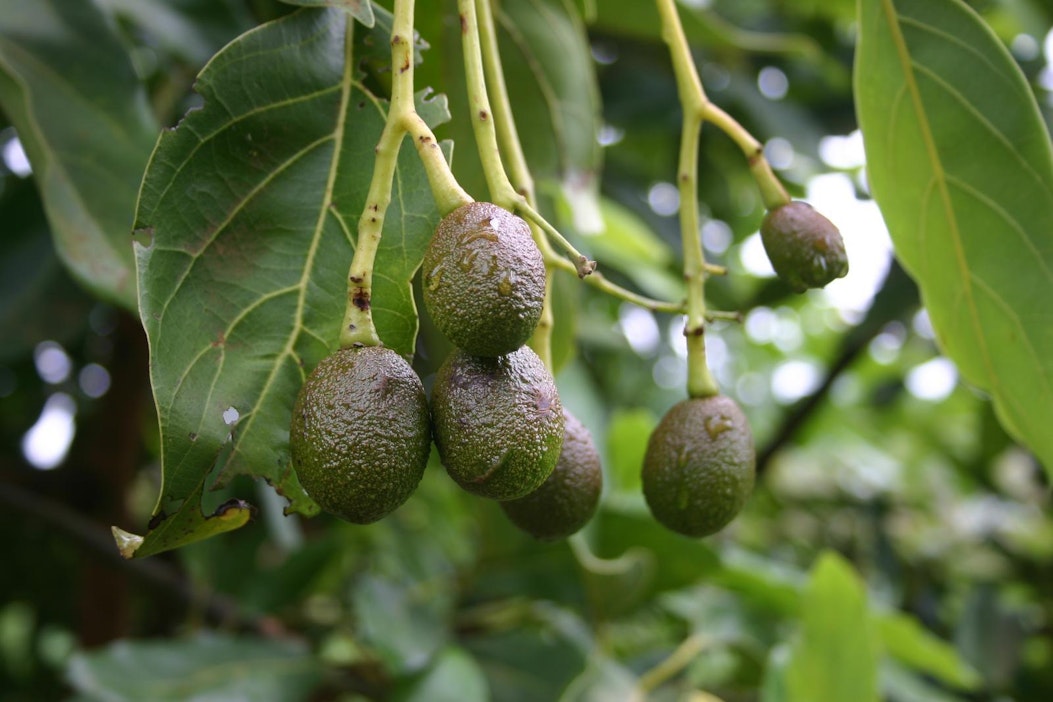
<point x="555" y="98"/>
<point x="207" y="666"/>
<point x="252" y="204"/>
<point x="961" y="165"/>
<point x="40" y="300"/>
<point x="68" y="86"/>
<point x="190" y="29"/>
<point x="835" y="657"/>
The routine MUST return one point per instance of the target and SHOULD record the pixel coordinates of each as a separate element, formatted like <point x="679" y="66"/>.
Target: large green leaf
<point x="251" y="204"/>
<point x="207" y="666"/>
<point x="960" y="163"/>
<point x="68" y="86"/>
<point x="835" y="657"/>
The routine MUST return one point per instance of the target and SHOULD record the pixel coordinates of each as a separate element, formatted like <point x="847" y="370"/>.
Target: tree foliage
<point x="175" y="261"/>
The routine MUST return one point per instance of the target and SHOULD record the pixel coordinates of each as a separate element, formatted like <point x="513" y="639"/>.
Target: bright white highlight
<point x="933" y="380"/>
<point x="640" y="329"/>
<point x="47" y="442"/>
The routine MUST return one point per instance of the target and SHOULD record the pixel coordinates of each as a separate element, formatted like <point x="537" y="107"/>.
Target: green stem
<point x="358" y="328"/>
<point x="700" y="382"/>
<point x="448" y="193"/>
<point x="518" y="172"/>
<point x="676" y="662"/>
<point x="772" y="191"/>
<point x="502" y="192"/>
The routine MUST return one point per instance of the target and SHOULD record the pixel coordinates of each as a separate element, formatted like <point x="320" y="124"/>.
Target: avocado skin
<point x="567" y="499"/>
<point x="804" y="247"/>
<point x="360" y="433"/>
<point x="484" y="279"/>
<point x="699" y="466"/>
<point x="498" y="422"/>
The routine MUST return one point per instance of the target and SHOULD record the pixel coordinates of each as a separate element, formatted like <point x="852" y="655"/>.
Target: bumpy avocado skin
<point x="699" y="466"/>
<point x="566" y="501"/>
<point x="804" y="247"/>
<point x="498" y="422"/>
<point x="360" y="433"/>
<point x="484" y="279"/>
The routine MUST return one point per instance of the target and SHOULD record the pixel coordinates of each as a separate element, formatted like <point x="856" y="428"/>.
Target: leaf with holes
<point x="251" y="205"/>
<point x="960" y="162"/>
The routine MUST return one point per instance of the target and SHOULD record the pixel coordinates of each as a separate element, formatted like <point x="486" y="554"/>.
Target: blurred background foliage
<point x="896" y="535"/>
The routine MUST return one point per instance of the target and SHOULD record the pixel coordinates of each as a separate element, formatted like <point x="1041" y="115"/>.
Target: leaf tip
<point x="127" y="543"/>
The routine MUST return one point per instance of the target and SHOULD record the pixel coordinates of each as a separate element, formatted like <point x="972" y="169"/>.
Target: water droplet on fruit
<point x="506" y="285"/>
<point x="717" y="425"/>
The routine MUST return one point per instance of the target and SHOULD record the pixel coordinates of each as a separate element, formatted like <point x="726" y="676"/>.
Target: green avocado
<point x="566" y="501"/>
<point x="484" y="279"/>
<point x="360" y="433"/>
<point x="498" y="422"/>
<point x="804" y="247"/>
<point x="699" y="466"/>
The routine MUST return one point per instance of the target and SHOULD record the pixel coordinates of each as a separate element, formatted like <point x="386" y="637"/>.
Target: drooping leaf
<point x="41" y="301"/>
<point x="68" y="86"/>
<point x="207" y="666"/>
<point x="835" y="657"/>
<point x="252" y="204"/>
<point x="960" y="163"/>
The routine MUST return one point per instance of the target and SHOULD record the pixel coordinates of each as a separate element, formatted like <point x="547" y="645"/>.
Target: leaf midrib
<point x="940" y="177"/>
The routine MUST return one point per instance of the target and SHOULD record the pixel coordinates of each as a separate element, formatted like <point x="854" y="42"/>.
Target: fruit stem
<point x="772" y="191"/>
<point x="502" y="192"/>
<point x="700" y="382"/>
<point x="518" y="173"/>
<point x="448" y="193"/>
<point x="402" y="118"/>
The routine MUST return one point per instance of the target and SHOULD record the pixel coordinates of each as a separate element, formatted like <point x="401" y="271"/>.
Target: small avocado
<point x="566" y="501"/>
<point x="360" y="433"/>
<point x="804" y="247"/>
<point x="699" y="466"/>
<point x="498" y="422"/>
<point x="484" y="279"/>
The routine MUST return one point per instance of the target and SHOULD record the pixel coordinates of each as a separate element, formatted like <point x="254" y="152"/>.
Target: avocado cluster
<point x="499" y="425"/>
<point x="362" y="426"/>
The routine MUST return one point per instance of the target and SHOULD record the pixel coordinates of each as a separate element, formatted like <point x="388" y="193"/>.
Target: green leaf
<point x="361" y="10"/>
<point x="41" y="301"/>
<point x="190" y="29"/>
<point x="453" y="677"/>
<point x="627" y="438"/>
<point x="555" y="98"/>
<point x="905" y="639"/>
<point x="835" y="657"/>
<point x="960" y="163"/>
<point x="69" y="88"/>
<point x="252" y="203"/>
<point x="207" y="666"/>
